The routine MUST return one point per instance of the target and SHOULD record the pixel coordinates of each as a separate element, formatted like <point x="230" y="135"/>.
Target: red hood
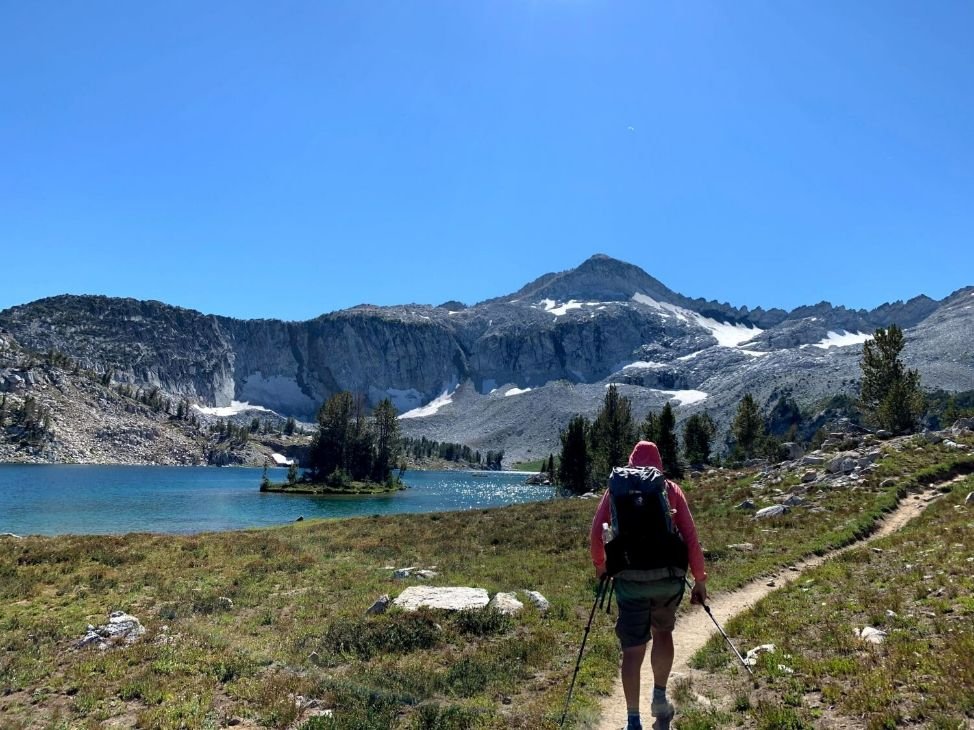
<point x="645" y="453"/>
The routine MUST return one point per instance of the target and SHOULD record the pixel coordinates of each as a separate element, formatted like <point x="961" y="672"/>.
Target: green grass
<point x="297" y="625"/>
<point x="922" y="674"/>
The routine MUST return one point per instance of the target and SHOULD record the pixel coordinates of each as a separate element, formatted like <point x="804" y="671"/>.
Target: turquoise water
<point x="62" y="499"/>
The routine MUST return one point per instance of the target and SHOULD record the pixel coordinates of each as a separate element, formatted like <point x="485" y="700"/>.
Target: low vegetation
<point x="293" y="637"/>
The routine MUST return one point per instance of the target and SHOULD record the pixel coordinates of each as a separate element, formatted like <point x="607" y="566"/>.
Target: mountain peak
<point x="598" y="278"/>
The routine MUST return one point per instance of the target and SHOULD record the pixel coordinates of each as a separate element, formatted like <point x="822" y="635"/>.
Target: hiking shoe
<point x="662" y="723"/>
<point x="662" y="710"/>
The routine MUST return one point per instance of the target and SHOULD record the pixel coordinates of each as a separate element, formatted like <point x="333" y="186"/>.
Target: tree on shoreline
<point x="575" y="462"/>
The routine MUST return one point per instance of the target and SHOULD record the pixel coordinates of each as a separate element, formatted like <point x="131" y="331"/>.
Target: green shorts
<point x="645" y="605"/>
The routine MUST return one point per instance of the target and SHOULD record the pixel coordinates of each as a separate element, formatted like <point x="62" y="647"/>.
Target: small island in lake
<point x="352" y="453"/>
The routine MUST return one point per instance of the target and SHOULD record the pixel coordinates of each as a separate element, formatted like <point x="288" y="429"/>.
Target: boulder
<point x="775" y="510"/>
<point x="447" y="598"/>
<point x="743" y="546"/>
<point x="953" y="444"/>
<point x="794" y="501"/>
<point x="793" y="450"/>
<point x="505" y="603"/>
<point x="812" y="460"/>
<point x="932" y="437"/>
<point x="747" y="504"/>
<point x="809" y="476"/>
<point x="380" y="606"/>
<point x="963" y="424"/>
<point x="884" y="434"/>
<point x="540" y="602"/>
<point x="121" y="628"/>
<point x="872" y="635"/>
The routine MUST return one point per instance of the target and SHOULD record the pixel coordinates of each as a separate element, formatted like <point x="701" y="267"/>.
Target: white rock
<point x="745" y="546"/>
<point x="872" y="635"/>
<point x="540" y="602"/>
<point x="970" y="498"/>
<point x="448" y="598"/>
<point x="775" y="510"/>
<point x="506" y="603"/>
<point x="121" y="628"/>
<point x="426" y="574"/>
<point x="752" y="656"/>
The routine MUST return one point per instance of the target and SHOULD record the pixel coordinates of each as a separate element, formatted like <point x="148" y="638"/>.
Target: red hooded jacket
<point x="645" y="453"/>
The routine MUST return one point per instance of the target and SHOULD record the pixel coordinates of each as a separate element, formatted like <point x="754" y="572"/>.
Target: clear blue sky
<point x="284" y="159"/>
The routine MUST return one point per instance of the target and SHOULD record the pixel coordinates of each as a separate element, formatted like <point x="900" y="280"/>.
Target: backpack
<point x="644" y="536"/>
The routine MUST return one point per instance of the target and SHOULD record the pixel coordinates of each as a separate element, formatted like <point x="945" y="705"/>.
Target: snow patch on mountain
<point x="727" y="335"/>
<point x="233" y="409"/>
<point x="842" y="339"/>
<point x="444" y="399"/>
<point x="553" y="307"/>
<point x="684" y="397"/>
<point x="517" y="391"/>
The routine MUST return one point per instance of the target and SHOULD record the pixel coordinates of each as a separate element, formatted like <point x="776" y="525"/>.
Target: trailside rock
<point x="747" y="504"/>
<point x="752" y="656"/>
<point x="540" y="602"/>
<point x="809" y="476"/>
<point x="872" y="635"/>
<point x="775" y="510"/>
<point x="381" y="605"/>
<point x="505" y="603"/>
<point x="121" y="628"/>
<point x="447" y="598"/>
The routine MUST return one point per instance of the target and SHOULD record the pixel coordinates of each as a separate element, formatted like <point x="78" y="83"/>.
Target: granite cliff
<point x="507" y="372"/>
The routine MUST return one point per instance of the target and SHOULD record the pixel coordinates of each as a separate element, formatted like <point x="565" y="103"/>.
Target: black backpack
<point x="644" y="537"/>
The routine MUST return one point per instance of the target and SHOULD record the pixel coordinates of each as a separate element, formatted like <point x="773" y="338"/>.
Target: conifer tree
<point x="385" y="424"/>
<point x="698" y="433"/>
<point x="575" y="461"/>
<point x="748" y="426"/>
<point x="613" y="433"/>
<point x="889" y="393"/>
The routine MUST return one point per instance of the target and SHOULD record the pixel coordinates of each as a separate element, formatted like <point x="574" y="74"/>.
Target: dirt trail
<point x="693" y="629"/>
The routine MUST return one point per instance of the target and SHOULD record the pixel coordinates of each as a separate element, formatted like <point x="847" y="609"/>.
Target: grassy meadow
<point x="915" y="584"/>
<point x="294" y="640"/>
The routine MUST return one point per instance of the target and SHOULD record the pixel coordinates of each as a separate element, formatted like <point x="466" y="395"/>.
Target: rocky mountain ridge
<point x="505" y="372"/>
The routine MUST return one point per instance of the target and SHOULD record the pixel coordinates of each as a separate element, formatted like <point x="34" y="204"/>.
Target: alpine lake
<point x="85" y="499"/>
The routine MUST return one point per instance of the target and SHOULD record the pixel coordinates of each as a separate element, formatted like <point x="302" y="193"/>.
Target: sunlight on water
<point x="57" y="499"/>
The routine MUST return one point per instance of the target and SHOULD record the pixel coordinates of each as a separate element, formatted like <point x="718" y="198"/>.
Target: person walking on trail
<point x="643" y="537"/>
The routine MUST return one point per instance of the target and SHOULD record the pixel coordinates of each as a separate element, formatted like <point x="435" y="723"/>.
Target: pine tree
<point x="612" y="434"/>
<point x="747" y="427"/>
<point x="698" y="433"/>
<point x="289" y="427"/>
<point x="575" y="461"/>
<point x="385" y="424"/>
<point x="889" y="393"/>
<point x="667" y="444"/>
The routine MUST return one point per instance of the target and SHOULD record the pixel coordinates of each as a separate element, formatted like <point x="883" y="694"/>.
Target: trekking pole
<point x="726" y="637"/>
<point x="599" y="596"/>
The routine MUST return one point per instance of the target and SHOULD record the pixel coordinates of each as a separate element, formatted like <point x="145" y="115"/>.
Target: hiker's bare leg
<point x="632" y="662"/>
<point x="661" y="657"/>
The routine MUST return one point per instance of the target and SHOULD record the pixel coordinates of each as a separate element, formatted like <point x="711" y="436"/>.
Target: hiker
<point x="647" y="599"/>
